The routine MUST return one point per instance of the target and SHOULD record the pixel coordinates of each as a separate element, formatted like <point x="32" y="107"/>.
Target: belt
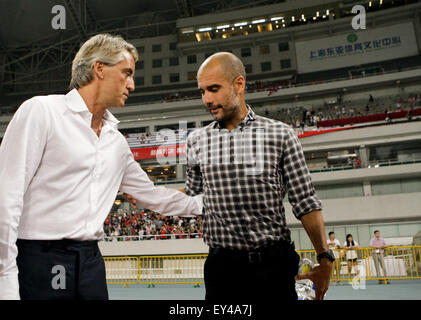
<point x="256" y="255"/>
<point x="58" y="243"/>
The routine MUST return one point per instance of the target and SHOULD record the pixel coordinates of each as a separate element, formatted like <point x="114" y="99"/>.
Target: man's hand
<point x="314" y="226"/>
<point x="133" y="201"/>
<point x="129" y="198"/>
<point x="320" y="276"/>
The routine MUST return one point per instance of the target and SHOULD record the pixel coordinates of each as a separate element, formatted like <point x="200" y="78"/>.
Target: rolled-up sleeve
<point x="20" y="155"/>
<point x="301" y="193"/>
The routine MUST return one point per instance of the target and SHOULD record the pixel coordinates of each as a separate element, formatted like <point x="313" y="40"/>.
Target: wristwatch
<point x="328" y="254"/>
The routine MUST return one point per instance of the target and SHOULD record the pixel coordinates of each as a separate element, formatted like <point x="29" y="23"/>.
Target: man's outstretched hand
<point x="320" y="276"/>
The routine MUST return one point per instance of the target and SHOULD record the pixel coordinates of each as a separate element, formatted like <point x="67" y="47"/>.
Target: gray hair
<point x="101" y="47"/>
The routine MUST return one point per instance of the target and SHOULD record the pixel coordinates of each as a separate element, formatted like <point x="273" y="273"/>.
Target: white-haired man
<point x="62" y="162"/>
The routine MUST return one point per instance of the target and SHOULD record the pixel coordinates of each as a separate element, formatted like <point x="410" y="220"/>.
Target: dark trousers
<point x="265" y="275"/>
<point x="61" y="270"/>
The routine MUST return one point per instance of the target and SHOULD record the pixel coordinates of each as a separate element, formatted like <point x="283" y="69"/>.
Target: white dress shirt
<point x="58" y="179"/>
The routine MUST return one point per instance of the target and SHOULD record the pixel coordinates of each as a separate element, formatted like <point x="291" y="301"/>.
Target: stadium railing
<point x="400" y="262"/>
<point x="157" y="236"/>
<point x="368" y="118"/>
<point x="386" y="163"/>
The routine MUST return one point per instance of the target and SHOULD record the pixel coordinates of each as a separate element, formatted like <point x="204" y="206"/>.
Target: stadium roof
<point x="26" y="21"/>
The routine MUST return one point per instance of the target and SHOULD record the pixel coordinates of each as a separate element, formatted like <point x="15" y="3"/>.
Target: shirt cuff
<point x="199" y="201"/>
<point x="9" y="287"/>
<point x="306" y="206"/>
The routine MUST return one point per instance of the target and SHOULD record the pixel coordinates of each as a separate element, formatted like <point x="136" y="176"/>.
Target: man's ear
<point x="239" y="84"/>
<point x="99" y="69"/>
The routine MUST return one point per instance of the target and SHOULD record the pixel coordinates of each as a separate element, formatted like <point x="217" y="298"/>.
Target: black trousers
<point x="61" y="270"/>
<point x="264" y="275"/>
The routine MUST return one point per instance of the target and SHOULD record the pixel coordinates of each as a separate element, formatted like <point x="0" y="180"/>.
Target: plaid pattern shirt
<point x="244" y="175"/>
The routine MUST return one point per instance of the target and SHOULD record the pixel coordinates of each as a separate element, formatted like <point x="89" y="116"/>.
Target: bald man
<point x="245" y="164"/>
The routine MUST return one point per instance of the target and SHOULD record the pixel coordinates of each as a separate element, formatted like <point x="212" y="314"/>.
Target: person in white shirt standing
<point x="62" y="163"/>
<point x="335" y="245"/>
<point x="351" y="254"/>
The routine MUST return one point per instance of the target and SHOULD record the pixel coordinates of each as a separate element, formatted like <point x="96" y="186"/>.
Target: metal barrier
<point x="180" y="269"/>
<point x="400" y="262"/>
<point x="122" y="270"/>
<point x="403" y="262"/>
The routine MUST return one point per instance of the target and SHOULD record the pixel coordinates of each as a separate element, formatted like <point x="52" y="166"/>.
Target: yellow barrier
<point x="180" y="269"/>
<point x="400" y="262"/>
<point x="121" y="270"/>
<point x="403" y="262"/>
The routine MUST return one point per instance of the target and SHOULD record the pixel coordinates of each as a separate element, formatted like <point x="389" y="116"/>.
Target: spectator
<point x="180" y="233"/>
<point x="147" y="225"/>
<point x="141" y="232"/>
<point x="335" y="246"/>
<point x="356" y="162"/>
<point x="192" y="221"/>
<point x="378" y="244"/>
<point x="388" y="116"/>
<point x="163" y="233"/>
<point x="411" y="101"/>
<point x="351" y="254"/>
<point x="410" y="114"/>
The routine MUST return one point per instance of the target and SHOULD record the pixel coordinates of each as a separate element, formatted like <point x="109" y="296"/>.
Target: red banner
<point x="369" y="118"/>
<point x="158" y="152"/>
<point x="314" y="133"/>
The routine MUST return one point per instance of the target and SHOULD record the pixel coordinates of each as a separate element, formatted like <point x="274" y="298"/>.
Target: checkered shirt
<point x="244" y="176"/>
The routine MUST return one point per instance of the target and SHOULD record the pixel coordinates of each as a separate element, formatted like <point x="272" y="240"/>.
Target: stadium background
<point x="353" y="97"/>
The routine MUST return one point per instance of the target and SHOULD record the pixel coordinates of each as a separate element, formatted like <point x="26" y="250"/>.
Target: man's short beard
<point x="237" y="105"/>
<point x="232" y="113"/>
<point x="232" y="110"/>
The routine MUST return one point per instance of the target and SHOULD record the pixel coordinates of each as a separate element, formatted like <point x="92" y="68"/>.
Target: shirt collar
<point x="76" y="103"/>
<point x="250" y="116"/>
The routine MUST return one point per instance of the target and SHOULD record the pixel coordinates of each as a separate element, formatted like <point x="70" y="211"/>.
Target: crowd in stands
<point x="291" y="81"/>
<point x="179" y="96"/>
<point x="307" y="118"/>
<point x="126" y="225"/>
<point x="270" y="86"/>
<point x="256" y="86"/>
